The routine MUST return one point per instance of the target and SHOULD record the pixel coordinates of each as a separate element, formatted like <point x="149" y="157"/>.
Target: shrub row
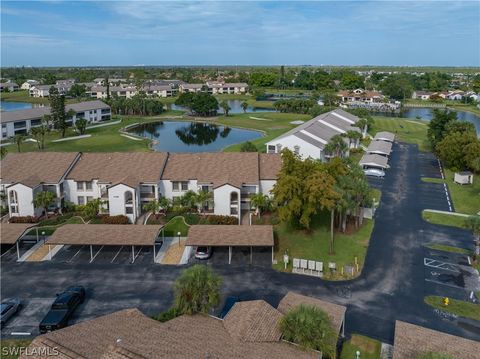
<point x="120" y="219"/>
<point x="56" y="219"/>
<point x="24" y="219"/>
<point x="218" y="219"/>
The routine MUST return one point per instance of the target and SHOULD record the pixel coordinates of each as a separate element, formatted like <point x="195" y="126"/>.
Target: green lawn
<point x="444" y="219"/>
<point x="458" y="307"/>
<point x="22" y="96"/>
<point x="369" y="348"/>
<point x="466" y="198"/>
<point x="175" y="225"/>
<point x="445" y="248"/>
<point x="432" y="180"/>
<point x="407" y="130"/>
<point x="272" y="124"/>
<point x="314" y="245"/>
<point x="10" y="348"/>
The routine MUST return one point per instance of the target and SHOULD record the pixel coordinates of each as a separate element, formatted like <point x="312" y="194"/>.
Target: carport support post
<point x="91" y="254"/>
<point x="229" y="254"/>
<point x="251" y="254"/>
<point x="272" y="254"/>
<point x="133" y="254"/>
<point x="18" y="250"/>
<point x="49" y="252"/>
<point x="153" y="252"/>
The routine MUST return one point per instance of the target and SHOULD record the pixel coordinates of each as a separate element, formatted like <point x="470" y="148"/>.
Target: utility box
<point x="465" y="177"/>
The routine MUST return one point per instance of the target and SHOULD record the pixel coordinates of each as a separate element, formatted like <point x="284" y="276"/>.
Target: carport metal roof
<point x="230" y="235"/>
<point x="10" y="233"/>
<point x="384" y="136"/>
<point x="374" y="160"/>
<point x="105" y="234"/>
<point x="380" y="147"/>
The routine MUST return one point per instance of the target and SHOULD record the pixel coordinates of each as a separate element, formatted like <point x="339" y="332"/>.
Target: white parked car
<point x="374" y="172"/>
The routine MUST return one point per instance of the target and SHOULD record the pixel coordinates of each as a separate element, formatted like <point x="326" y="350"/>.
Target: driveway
<point x="392" y="284"/>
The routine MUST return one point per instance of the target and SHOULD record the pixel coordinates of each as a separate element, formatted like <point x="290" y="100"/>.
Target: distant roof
<point x="219" y="168"/>
<point x="335" y="312"/>
<point x="253" y="321"/>
<point x="412" y="340"/>
<point x="192" y="86"/>
<point x="130" y="168"/>
<point x="385" y="136"/>
<point x="105" y="234"/>
<point x="374" y="160"/>
<point x="34" y="168"/>
<point x="131" y="334"/>
<point x="464" y="173"/>
<point x="380" y="146"/>
<point x="230" y="235"/>
<point x="38" y="112"/>
<point x="319" y="130"/>
<point x="11" y="232"/>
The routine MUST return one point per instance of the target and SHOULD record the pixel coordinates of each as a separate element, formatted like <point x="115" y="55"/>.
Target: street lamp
<point x="179" y="234"/>
<point x="357" y="353"/>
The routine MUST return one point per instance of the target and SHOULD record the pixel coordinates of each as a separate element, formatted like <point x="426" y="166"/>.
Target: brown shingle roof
<point x="218" y="168"/>
<point x="335" y="312"/>
<point x="120" y="167"/>
<point x="105" y="234"/>
<point x="230" y="235"/>
<point x="270" y="166"/>
<point x="34" y="168"/>
<point x="253" y="321"/>
<point x="412" y="340"/>
<point x="11" y="232"/>
<point x="130" y="334"/>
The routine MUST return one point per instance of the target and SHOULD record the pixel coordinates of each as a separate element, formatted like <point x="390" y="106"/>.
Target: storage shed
<point x="465" y="177"/>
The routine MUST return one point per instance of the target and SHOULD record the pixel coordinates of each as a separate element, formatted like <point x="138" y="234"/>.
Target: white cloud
<point x="31" y="40"/>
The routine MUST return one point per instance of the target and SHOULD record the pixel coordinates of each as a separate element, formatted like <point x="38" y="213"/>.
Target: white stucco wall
<point x="116" y="199"/>
<point x="266" y="186"/>
<point x="221" y="199"/>
<point x="25" y="198"/>
<point x="166" y="188"/>
<point x="306" y="149"/>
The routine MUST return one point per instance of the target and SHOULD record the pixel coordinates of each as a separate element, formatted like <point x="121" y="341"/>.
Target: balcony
<point x="147" y="195"/>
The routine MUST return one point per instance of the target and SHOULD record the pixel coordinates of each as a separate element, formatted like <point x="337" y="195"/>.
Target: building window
<point x="180" y="186"/>
<point x="81" y="200"/>
<point x="89" y="199"/>
<point x="296" y="149"/>
<point x="184" y="186"/>
<point x="129" y="210"/>
<point x="13" y="197"/>
<point x="176" y="186"/>
<point x="14" y="209"/>
<point x="279" y="148"/>
<point x="79" y="186"/>
<point x="88" y="186"/>
<point x="271" y="149"/>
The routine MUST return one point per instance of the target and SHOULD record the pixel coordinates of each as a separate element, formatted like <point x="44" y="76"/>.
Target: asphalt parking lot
<point x="105" y="254"/>
<point x="9" y="251"/>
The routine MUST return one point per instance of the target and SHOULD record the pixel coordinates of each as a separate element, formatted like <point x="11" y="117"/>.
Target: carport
<point x="374" y="160"/>
<point x="384" y="136"/>
<point x="12" y="233"/>
<point x="380" y="148"/>
<point x="106" y="235"/>
<point x="231" y="236"/>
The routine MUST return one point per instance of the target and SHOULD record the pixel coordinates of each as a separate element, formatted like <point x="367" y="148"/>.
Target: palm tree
<point x="336" y="147"/>
<point x="3" y="151"/>
<point x="81" y="125"/>
<point x="38" y="133"/>
<point x="473" y="223"/>
<point x="244" y="106"/>
<point x="91" y="209"/>
<point x="153" y="206"/>
<point x="260" y="202"/>
<point x="201" y="198"/>
<point x="353" y="137"/>
<point x="310" y="327"/>
<point x="18" y="140"/>
<point x="225" y="106"/>
<point x="43" y="200"/>
<point x="197" y="290"/>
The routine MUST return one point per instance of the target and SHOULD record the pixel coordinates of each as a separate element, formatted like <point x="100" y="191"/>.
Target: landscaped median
<point x="445" y="218"/>
<point x="369" y="348"/>
<point x="457" y="307"/>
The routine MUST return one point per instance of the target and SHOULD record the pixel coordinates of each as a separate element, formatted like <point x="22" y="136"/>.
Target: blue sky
<point x="66" y="33"/>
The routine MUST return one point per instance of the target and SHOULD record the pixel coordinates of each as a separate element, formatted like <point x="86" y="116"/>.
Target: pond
<point x="235" y="107"/>
<point x="178" y="136"/>
<point x="14" y="106"/>
<point x="427" y="114"/>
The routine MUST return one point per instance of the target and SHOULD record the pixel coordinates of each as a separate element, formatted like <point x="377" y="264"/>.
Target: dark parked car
<point x="8" y="308"/>
<point x="62" y="309"/>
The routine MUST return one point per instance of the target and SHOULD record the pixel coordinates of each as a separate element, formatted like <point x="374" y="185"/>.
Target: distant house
<point x="28" y="84"/>
<point x="190" y="87"/>
<point x="8" y="86"/>
<point x="40" y="90"/>
<point x="100" y="92"/>
<point x="310" y="138"/>
<point x="455" y="95"/>
<point x="421" y="95"/>
<point x="22" y="121"/>
<point x="214" y="87"/>
<point x="360" y="95"/>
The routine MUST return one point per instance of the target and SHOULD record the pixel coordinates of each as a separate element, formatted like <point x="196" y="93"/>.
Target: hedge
<point x="24" y="219"/>
<point x="120" y="219"/>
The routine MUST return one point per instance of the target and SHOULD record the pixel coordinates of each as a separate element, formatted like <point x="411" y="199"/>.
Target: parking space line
<point x="71" y="259"/>
<point x="135" y="257"/>
<point x="445" y="284"/>
<point x="116" y="255"/>
<point x="96" y="254"/>
<point x="438" y="264"/>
